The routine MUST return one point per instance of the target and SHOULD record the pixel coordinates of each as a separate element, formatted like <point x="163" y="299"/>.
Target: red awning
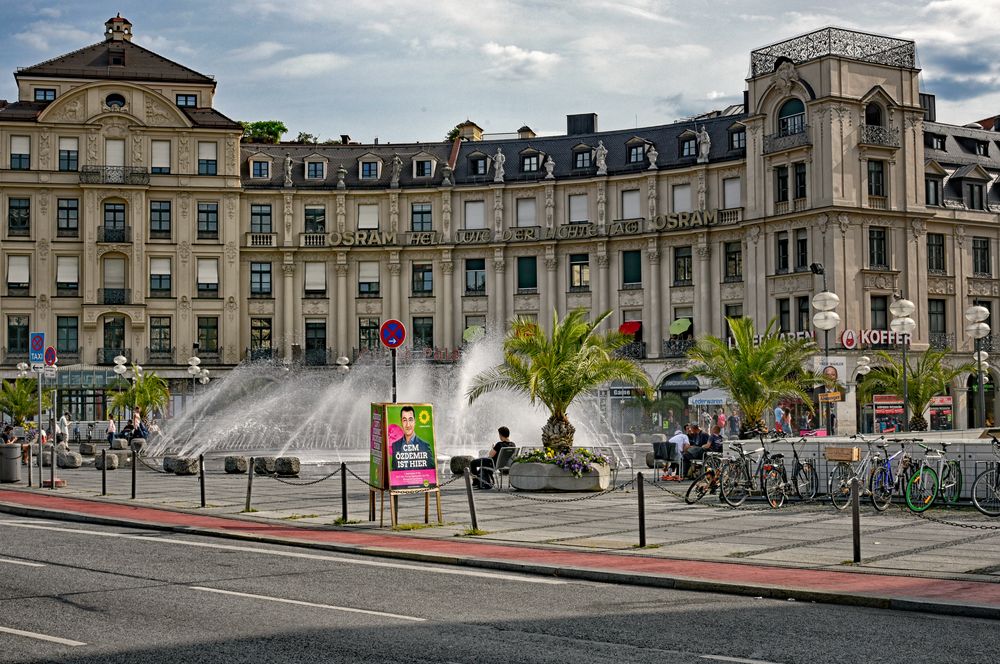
<point x="630" y="327"/>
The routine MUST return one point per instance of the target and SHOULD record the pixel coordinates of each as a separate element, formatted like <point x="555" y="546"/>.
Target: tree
<point x="757" y="373"/>
<point x="658" y="405"/>
<point x="147" y="394"/>
<point x="304" y="137"/>
<point x="555" y="369"/>
<point x="925" y="380"/>
<point x="263" y="131"/>
<point x="453" y="134"/>
<point x="20" y="399"/>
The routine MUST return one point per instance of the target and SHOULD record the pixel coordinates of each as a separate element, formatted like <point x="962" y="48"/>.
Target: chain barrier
<point x="307" y="483"/>
<point x="681" y="496"/>
<point x="142" y="460"/>
<point x="946" y="522"/>
<point x="617" y="487"/>
<point x="402" y="491"/>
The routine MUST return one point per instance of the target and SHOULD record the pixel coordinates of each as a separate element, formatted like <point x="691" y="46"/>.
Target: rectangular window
<point x="20" y="153"/>
<point x="784" y="315"/>
<point x="527" y="274"/>
<point x="801" y="249"/>
<point x="68" y="217"/>
<point x="67" y="335"/>
<point x="423" y="168"/>
<point x="423" y="332"/>
<point x="68" y="276"/>
<point x="781" y="184"/>
<point x="581" y="159"/>
<point x="974" y="197"/>
<point x="936" y="319"/>
<point x="632" y="269"/>
<point x="781" y="252"/>
<point x="935" y="253"/>
<point x="315" y="219"/>
<point x="681" y="195"/>
<point x="45" y="94"/>
<point x="880" y="312"/>
<point x="982" y="264"/>
<point x="160" y="159"/>
<point x="578" y="209"/>
<point x="982" y="148"/>
<point x="475" y="276"/>
<point x="420" y="217"/>
<point x="876" y="178"/>
<point x="260" y="339"/>
<point x="19" y="217"/>
<point x="368" y="334"/>
<point x="315" y="342"/>
<point x="208" y="334"/>
<point x="260" y="219"/>
<point x="731" y="188"/>
<point x="260" y="280"/>
<point x="630" y="204"/>
<point x="932" y="191"/>
<point x="159" y="277"/>
<point x="114" y="220"/>
<point x="734" y="262"/>
<point x="368" y="282"/>
<point x="579" y="272"/>
<point x="18" y="275"/>
<point x="369" y="170"/>
<point x="368" y="217"/>
<point x="526" y="212"/>
<point x="802" y="314"/>
<point x="800" y="180"/>
<point x="732" y="311"/>
<point x="475" y="215"/>
<point x="315" y="170"/>
<point x="529" y="163"/>
<point x="478" y="165"/>
<point x="207" y="158"/>
<point x="208" y="277"/>
<point x="159" y="220"/>
<point x="69" y="154"/>
<point x="17" y="334"/>
<point x="208" y="221"/>
<point x="187" y="101"/>
<point x="423" y="279"/>
<point x="934" y="141"/>
<point x="878" y="256"/>
<point x="737" y="140"/>
<point x="688" y="147"/>
<point x="682" y="266"/>
<point x="315" y="279"/>
<point x="260" y="169"/>
<point x="636" y="154"/>
<point x="160" y="341"/>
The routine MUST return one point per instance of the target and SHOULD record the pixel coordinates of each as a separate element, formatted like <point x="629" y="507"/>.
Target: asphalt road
<point x="76" y="593"/>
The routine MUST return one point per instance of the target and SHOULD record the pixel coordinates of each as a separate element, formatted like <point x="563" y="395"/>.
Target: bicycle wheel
<point x="921" y="490"/>
<point x="734" y="484"/>
<point x="881" y="487"/>
<point x="774" y="488"/>
<point x="986" y="492"/>
<point x="840" y="486"/>
<point x="806" y="482"/>
<point x="951" y="482"/>
<point x="701" y="486"/>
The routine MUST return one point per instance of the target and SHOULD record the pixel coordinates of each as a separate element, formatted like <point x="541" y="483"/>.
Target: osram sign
<point x="851" y="339"/>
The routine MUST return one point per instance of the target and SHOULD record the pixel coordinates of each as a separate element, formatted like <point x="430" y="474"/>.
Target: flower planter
<point x="531" y="476"/>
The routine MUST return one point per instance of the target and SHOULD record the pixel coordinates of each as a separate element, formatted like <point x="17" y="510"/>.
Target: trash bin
<point x="10" y="463"/>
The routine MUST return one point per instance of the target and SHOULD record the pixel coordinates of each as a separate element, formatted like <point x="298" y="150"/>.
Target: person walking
<point x="112" y="429"/>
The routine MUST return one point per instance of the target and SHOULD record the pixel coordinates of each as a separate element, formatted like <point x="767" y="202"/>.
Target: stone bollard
<point x="69" y="460"/>
<point x="138" y="443"/>
<point x="628" y="438"/>
<point x="88" y="449"/>
<point x="124" y="457"/>
<point x="458" y="464"/>
<point x="263" y="465"/>
<point x="287" y="466"/>
<point x="169" y="464"/>
<point x="112" y="460"/>
<point x="236" y="465"/>
<point x="650" y="459"/>
<point x="119" y="444"/>
<point x="186" y="466"/>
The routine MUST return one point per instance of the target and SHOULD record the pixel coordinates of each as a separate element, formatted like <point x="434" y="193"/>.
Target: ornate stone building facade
<point x="138" y="222"/>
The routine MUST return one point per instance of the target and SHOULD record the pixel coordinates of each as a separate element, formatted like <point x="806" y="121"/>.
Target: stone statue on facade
<point x="600" y="154"/>
<point x="446" y="172"/>
<point x="653" y="156"/>
<point x="341" y="174"/>
<point x="498" y="161"/>
<point x="397" y="168"/>
<point x="288" y="171"/>
<point x="550" y="166"/>
<point x="704" y="145"/>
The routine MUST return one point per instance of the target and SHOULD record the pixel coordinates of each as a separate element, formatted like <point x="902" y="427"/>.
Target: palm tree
<point x="147" y="394"/>
<point x="757" y="372"/>
<point x="657" y="404"/>
<point x="555" y="369"/>
<point x="927" y="379"/>
<point x="20" y="399"/>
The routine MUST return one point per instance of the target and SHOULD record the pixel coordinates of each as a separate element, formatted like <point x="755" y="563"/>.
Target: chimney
<point x="525" y="132"/>
<point x="345" y="139"/>
<point x="118" y="29"/>
<point x="470" y="131"/>
<point x="582" y="123"/>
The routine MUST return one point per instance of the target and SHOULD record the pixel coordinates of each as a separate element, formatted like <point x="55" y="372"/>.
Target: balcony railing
<point x="876" y="135"/>
<point x="108" y="355"/>
<point x="312" y="239"/>
<point x="635" y="350"/>
<point x="786" y="141"/>
<point x="780" y="207"/>
<point x="160" y="355"/>
<point x="677" y="347"/>
<point x="837" y="42"/>
<point x="986" y="343"/>
<point x="878" y="202"/>
<point x="942" y="341"/>
<point x="262" y="239"/>
<point x="106" y="234"/>
<point x="114" y="295"/>
<point x="68" y="355"/>
<point x="316" y="357"/>
<point x="800" y="204"/>
<point x="731" y="215"/>
<point x="114" y="175"/>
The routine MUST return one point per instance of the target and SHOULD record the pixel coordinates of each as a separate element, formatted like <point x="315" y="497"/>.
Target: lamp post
<point x="23" y="369"/>
<point x="863" y="368"/>
<point x="343" y="365"/>
<point x="904" y="325"/>
<point x="978" y="329"/>
<point x="825" y="319"/>
<point x="203" y="378"/>
<point x="194" y="370"/>
<point x="120" y="371"/>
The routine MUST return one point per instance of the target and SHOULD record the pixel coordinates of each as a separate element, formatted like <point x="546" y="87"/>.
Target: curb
<point x="922" y="605"/>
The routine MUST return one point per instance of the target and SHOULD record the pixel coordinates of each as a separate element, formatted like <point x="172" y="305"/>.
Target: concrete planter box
<point x="550" y="477"/>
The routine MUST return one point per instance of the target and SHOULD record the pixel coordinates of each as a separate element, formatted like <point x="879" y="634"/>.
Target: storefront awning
<point x="631" y="327"/>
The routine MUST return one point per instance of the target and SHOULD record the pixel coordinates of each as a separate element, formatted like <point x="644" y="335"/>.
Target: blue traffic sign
<point x="36" y="345"/>
<point x="392" y="333"/>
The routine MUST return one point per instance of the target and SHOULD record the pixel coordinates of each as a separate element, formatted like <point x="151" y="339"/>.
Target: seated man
<point x="482" y="468"/>
<point x="700" y="443"/>
<point x="680" y="441"/>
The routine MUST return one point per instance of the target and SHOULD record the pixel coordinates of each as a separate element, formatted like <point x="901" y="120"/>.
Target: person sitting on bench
<point x="482" y="468"/>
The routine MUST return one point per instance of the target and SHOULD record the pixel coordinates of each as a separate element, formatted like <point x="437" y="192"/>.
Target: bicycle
<point x="986" y="487"/>
<point x="884" y="481"/>
<point x="844" y="473"/>
<point x="737" y="481"/>
<point x="927" y="483"/>
<point x="708" y="480"/>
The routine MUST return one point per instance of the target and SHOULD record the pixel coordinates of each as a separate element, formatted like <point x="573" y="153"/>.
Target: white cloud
<point x="44" y="36"/>
<point x="163" y="45"/>
<point x="515" y="62"/>
<point x="51" y="12"/>
<point x="304" y="66"/>
<point x="262" y="50"/>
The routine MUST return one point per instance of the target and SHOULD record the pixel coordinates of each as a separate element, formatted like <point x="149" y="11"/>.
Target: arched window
<point x="115" y="100"/>
<point x="791" y="118"/>
<point x="873" y="115"/>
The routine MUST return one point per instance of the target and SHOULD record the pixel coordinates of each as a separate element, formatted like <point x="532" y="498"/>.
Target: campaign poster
<point x="410" y="445"/>
<point x="376" y="469"/>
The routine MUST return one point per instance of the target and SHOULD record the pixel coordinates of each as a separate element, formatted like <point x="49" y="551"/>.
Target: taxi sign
<point x="36" y="349"/>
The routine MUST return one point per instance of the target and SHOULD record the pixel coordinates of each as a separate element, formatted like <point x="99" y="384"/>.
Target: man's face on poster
<point x="407" y="421"/>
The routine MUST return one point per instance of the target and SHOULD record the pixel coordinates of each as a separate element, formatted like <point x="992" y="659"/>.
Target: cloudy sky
<point x="406" y="70"/>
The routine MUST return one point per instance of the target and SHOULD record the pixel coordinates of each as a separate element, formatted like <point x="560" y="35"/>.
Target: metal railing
<point x="114" y="295"/>
<point x="160" y="356"/>
<point x="785" y="140"/>
<point x="68" y="356"/>
<point x="635" y="350"/>
<point x="107" y="355"/>
<point x="114" y="175"/>
<point x="106" y="234"/>
<point x="876" y="135"/>
<point x="941" y="341"/>
<point x="677" y="347"/>
<point x="837" y="42"/>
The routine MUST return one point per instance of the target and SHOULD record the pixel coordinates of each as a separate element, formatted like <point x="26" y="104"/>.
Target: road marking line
<point x="310" y="604"/>
<point x="42" y="637"/>
<point x="21" y="562"/>
<point x="298" y="554"/>
<point x="736" y="660"/>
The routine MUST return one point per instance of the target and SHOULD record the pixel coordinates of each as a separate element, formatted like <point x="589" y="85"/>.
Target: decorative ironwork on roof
<point x="838" y="42"/>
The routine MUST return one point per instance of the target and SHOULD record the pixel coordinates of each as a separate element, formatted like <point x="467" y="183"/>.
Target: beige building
<point x="138" y="223"/>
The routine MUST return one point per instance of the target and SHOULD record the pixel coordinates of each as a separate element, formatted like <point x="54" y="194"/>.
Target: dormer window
<point x="581" y="159"/>
<point x="45" y="94"/>
<point x="260" y="169"/>
<point x="873" y="115"/>
<point x="187" y="101"/>
<point x="477" y="165"/>
<point x="315" y="170"/>
<point x="636" y="154"/>
<point x="688" y="147"/>
<point x="423" y="168"/>
<point x="982" y="148"/>
<point x="934" y="141"/>
<point x="792" y="118"/>
<point x="738" y="139"/>
<point x="114" y="100"/>
<point x="369" y="170"/>
<point x="529" y="163"/>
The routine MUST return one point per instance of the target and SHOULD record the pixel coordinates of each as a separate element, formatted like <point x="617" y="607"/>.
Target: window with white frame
<point x="260" y="169"/>
<point x="526" y="212"/>
<point x="315" y="279"/>
<point x="630" y="204"/>
<point x="68" y="276"/>
<point x="423" y="168"/>
<point x="18" y="275"/>
<point x="578" y="209"/>
<point x="731" y="192"/>
<point x="208" y="277"/>
<point x="475" y="215"/>
<point x="368" y="283"/>
<point x="159" y="277"/>
<point x="20" y="153"/>
<point x="69" y="154"/>
<point x="368" y="170"/>
<point x="315" y="170"/>
<point x="207" y="158"/>
<point x="160" y="157"/>
<point x="368" y="216"/>
<point x="681" y="195"/>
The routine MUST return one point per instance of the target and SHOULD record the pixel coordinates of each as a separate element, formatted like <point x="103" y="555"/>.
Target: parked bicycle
<point x="934" y="476"/>
<point x="986" y="487"/>
<point x="708" y="480"/>
<point x="745" y="474"/>
<point x="804" y="484"/>
<point x="845" y="472"/>
<point x="889" y="476"/>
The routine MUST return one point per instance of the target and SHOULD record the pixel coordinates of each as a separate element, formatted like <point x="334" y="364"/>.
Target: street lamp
<point x="825" y="319"/>
<point x="203" y="377"/>
<point x="194" y="370"/>
<point x="903" y="325"/>
<point x="343" y="365"/>
<point x="978" y="329"/>
<point x="863" y="368"/>
<point x="23" y="369"/>
<point x="120" y="370"/>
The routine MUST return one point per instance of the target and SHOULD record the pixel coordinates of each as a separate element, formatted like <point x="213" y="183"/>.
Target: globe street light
<point x="903" y="325"/>
<point x="343" y="365"/>
<point x="978" y="329"/>
<point x="23" y="369"/>
<point x="825" y="319"/>
<point x="193" y="370"/>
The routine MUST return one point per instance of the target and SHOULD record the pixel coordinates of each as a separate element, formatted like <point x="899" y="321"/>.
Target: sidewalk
<point x="796" y="553"/>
